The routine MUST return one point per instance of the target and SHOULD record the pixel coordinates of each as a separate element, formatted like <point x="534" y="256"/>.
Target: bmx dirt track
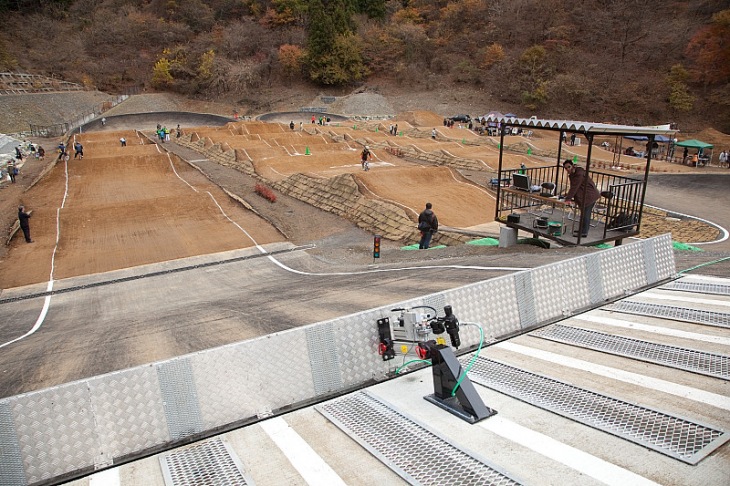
<point x="135" y="205"/>
<point x="126" y="206"/>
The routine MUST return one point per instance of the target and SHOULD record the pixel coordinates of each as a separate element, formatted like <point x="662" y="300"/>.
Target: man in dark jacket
<point x="428" y="224"/>
<point x="23" y="218"/>
<point x="583" y="191"/>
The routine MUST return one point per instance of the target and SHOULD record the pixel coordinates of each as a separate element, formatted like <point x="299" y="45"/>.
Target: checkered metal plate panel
<point x="710" y="364"/>
<point x="56" y="431"/>
<point x="242" y="380"/>
<point x="698" y="287"/>
<point x="559" y="289"/>
<point x="129" y="412"/>
<point x="676" y="437"/>
<point x="412" y="450"/>
<point x="683" y="314"/>
<point x="623" y="269"/>
<point x="209" y="463"/>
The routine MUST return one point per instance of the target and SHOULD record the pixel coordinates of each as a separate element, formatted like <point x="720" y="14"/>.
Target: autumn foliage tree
<point x="609" y="59"/>
<point x="290" y="58"/>
<point x="679" y="97"/>
<point x="709" y="50"/>
<point x="161" y="77"/>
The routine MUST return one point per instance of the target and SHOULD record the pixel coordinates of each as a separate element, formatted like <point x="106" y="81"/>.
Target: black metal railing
<point x="618" y="209"/>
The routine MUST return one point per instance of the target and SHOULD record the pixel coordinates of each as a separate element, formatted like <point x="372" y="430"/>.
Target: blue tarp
<point x="644" y="138"/>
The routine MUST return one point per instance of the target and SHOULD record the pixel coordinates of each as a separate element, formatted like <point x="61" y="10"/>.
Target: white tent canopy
<point x="584" y="127"/>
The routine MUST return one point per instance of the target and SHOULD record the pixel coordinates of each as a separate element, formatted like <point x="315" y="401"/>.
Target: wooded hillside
<point x="628" y="61"/>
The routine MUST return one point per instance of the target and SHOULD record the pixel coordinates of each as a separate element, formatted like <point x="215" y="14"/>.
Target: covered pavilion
<point x="531" y="201"/>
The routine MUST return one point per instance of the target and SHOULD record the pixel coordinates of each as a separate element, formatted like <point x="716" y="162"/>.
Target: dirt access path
<point x="121" y="207"/>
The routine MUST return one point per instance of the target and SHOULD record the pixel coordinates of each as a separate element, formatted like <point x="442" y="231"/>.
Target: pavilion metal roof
<point x="584" y="127"/>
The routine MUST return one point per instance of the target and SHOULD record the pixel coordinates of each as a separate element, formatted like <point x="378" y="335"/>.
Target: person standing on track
<point x="365" y="156"/>
<point x="428" y="224"/>
<point x="78" y="151"/>
<point x="23" y="218"/>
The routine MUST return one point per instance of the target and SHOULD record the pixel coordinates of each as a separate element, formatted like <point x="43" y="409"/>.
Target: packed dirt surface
<point x="125" y="206"/>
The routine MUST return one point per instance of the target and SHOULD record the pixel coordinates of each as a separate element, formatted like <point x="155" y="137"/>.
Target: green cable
<point x="704" y="264"/>
<point x="397" y="370"/>
<point x="474" y="358"/>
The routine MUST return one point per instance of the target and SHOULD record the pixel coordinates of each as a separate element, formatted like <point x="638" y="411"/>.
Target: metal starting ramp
<point x="572" y="409"/>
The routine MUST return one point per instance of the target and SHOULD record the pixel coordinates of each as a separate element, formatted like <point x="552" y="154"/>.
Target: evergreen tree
<point x="340" y="14"/>
<point x="375" y="9"/>
<point x="321" y="32"/>
<point x="333" y="57"/>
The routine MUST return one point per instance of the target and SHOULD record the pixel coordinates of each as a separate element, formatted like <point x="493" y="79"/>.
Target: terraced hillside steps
<point x="20" y="83"/>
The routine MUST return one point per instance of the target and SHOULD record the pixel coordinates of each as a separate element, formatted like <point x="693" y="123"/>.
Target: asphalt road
<point x="106" y="323"/>
<point x="705" y="196"/>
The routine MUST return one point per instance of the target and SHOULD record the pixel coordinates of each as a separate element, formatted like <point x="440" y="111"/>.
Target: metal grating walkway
<point x="698" y="287"/>
<point x="715" y="365"/>
<point x="209" y="463"/>
<point x="676" y="437"/>
<point x="709" y="318"/>
<point x="414" y="452"/>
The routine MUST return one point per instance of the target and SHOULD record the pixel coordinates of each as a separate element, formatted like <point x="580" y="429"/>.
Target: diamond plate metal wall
<point x="56" y="431"/>
<point x="560" y="288"/>
<point x="493" y="304"/>
<point x="11" y="459"/>
<point x="594" y="278"/>
<point x="650" y="263"/>
<point x="180" y="398"/>
<point x="356" y="346"/>
<point x="129" y="412"/>
<point x="622" y="269"/>
<point x="525" y="299"/>
<point x="91" y="423"/>
<point x="241" y="381"/>
<point x="323" y="358"/>
<point x="664" y="256"/>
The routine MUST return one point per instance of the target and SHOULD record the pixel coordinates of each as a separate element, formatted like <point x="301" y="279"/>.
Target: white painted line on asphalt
<point x="609" y="321"/>
<point x="581" y="461"/>
<point x="701" y="396"/>
<point x="681" y="298"/>
<point x="109" y="477"/>
<point x="304" y="459"/>
<point x="49" y="287"/>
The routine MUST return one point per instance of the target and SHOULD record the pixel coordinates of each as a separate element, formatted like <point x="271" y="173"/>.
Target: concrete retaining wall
<point x="72" y="429"/>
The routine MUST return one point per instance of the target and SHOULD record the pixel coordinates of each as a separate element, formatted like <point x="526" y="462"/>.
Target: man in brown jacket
<point x="583" y="191"/>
